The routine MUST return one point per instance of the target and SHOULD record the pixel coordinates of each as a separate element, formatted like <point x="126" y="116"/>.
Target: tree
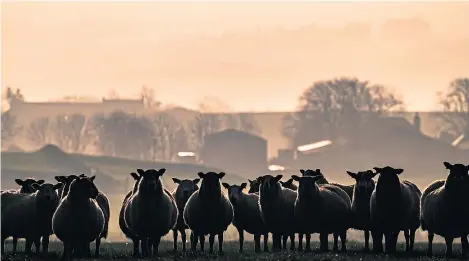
<point x="148" y="96"/>
<point x="9" y="127"/>
<point x="123" y="135"/>
<point x="113" y="94"/>
<point x="330" y="108"/>
<point x="170" y="136"/>
<point x="248" y="124"/>
<point x="39" y="132"/>
<point x="72" y="132"/>
<point x="455" y="105"/>
<point x="204" y="124"/>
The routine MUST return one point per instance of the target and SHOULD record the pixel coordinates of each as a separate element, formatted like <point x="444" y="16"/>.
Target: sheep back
<point x="247" y="215"/>
<point x="19" y="212"/>
<point x="208" y="216"/>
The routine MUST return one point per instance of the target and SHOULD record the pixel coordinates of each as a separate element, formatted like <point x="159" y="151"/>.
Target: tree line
<point x="327" y="108"/>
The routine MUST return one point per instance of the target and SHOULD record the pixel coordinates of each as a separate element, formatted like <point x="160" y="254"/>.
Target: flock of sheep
<point x="78" y="213"/>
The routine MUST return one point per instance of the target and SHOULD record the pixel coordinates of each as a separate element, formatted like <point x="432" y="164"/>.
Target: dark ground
<point x="123" y="251"/>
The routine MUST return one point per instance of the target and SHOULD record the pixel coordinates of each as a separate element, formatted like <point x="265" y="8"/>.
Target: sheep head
<point x="254" y="185"/>
<point x="84" y="188"/>
<point x="150" y="180"/>
<point x="211" y="184"/>
<point x="363" y="180"/>
<point x="458" y="176"/>
<point x="307" y="184"/>
<point x="288" y="184"/>
<point x="314" y="173"/>
<point x="234" y="191"/>
<point x="26" y="184"/>
<point x="186" y="187"/>
<point x="270" y="185"/>
<point x="47" y="192"/>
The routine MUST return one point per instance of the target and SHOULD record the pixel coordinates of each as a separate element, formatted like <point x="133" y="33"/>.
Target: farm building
<point x="236" y="152"/>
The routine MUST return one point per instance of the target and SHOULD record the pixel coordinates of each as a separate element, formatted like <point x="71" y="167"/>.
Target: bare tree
<point x="204" y="124"/>
<point x="166" y="143"/>
<point x="148" y="96"/>
<point x="329" y="108"/>
<point x="9" y="127"/>
<point x="39" y="131"/>
<point x="456" y="107"/>
<point x="72" y="132"/>
<point x="248" y="124"/>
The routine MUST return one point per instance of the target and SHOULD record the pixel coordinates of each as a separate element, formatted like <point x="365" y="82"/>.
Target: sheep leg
<point x="367" y="240"/>
<point x="430" y="243"/>
<point x="194" y="241"/>
<point x="464" y="245"/>
<point x="156" y="245"/>
<point x="377" y="241"/>
<point x="335" y="248"/>
<point x="175" y="240"/>
<point x="98" y="245"/>
<point x="449" y="246"/>
<point x="68" y="248"/>
<point x="202" y="243"/>
<point x="266" y="242"/>
<point x="412" y="239"/>
<point x="27" y="247"/>
<point x="15" y="244"/>
<point x="220" y="242"/>
<point x="211" y="240"/>
<point x="343" y="241"/>
<point x="241" y="240"/>
<point x="300" y="242"/>
<point x="284" y="242"/>
<point x="277" y="242"/>
<point x="45" y="245"/>
<point x="324" y="245"/>
<point x="308" y="243"/>
<point x="183" y="239"/>
<point x="136" y="246"/>
<point x="144" y="244"/>
<point x="3" y="245"/>
<point x="292" y="242"/>
<point x="37" y="245"/>
<point x="257" y="243"/>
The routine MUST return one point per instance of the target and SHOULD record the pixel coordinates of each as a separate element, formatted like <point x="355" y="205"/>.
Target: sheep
<point x="394" y="206"/>
<point x="312" y="173"/>
<point x="208" y="211"/>
<point x="25" y="187"/>
<point x="277" y="209"/>
<point x="364" y="186"/>
<point x="321" y="209"/>
<point x="181" y="194"/>
<point x="254" y="186"/>
<point x="445" y="208"/>
<point x="66" y="180"/>
<point x="247" y="215"/>
<point x="347" y="188"/>
<point x="126" y="214"/>
<point x="29" y="215"/>
<point x="78" y="219"/>
<point x="153" y="211"/>
<point x="289" y="184"/>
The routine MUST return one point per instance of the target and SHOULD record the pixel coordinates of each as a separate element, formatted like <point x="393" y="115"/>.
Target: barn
<point x="235" y="151"/>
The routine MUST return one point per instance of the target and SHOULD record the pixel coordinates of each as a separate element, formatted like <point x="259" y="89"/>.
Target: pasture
<point x="123" y="251"/>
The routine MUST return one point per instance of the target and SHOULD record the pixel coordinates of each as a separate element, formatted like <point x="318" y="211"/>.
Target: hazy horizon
<point x="239" y="52"/>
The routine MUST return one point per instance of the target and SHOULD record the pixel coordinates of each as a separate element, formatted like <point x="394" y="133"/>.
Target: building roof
<point x="235" y="133"/>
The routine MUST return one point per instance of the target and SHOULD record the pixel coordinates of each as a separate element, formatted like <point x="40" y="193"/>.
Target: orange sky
<point x="54" y="49"/>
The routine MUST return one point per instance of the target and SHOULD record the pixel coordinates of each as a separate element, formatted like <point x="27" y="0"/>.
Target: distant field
<point x="123" y="251"/>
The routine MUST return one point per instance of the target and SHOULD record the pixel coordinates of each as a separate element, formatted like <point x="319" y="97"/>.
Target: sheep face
<point x="66" y="180"/>
<point x="186" y="187"/>
<point x="254" y="185"/>
<point x="26" y="184"/>
<point x="364" y="183"/>
<point x="289" y="184"/>
<point x="388" y="175"/>
<point x="458" y="176"/>
<point x="314" y="173"/>
<point x="270" y="185"/>
<point x="234" y="191"/>
<point x="306" y="185"/>
<point x="84" y="187"/>
<point x="46" y="191"/>
<point x="210" y="183"/>
<point x="150" y="180"/>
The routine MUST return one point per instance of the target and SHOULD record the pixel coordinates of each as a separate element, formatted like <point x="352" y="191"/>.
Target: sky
<point x="234" y="51"/>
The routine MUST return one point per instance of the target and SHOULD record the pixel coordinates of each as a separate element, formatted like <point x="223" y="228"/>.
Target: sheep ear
<point x="35" y="186"/>
<point x="82" y="175"/>
<point x="295" y="177"/>
<point x="161" y="172"/>
<point x="140" y="171"/>
<point x="378" y="169"/>
<point x="373" y="174"/>
<point x="221" y="175"/>
<point x="58" y="185"/>
<point x="318" y="171"/>
<point x="243" y="185"/>
<point x="41" y="181"/>
<point x="278" y="178"/>
<point x="92" y="178"/>
<point x="134" y="175"/>
<point x="302" y="171"/>
<point x="226" y="185"/>
<point x="201" y="175"/>
<point x="250" y="181"/>
<point x="351" y="174"/>
<point x="448" y="165"/>
<point x="196" y="181"/>
<point x="289" y="181"/>
<point x="59" y="178"/>
<point x="398" y="171"/>
<point x="19" y="182"/>
<point x="177" y="181"/>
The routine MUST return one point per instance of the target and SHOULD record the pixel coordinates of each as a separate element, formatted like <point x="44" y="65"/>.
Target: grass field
<point x="123" y="251"/>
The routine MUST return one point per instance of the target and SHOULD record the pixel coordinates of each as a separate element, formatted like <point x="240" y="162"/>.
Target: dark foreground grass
<point x="123" y="251"/>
